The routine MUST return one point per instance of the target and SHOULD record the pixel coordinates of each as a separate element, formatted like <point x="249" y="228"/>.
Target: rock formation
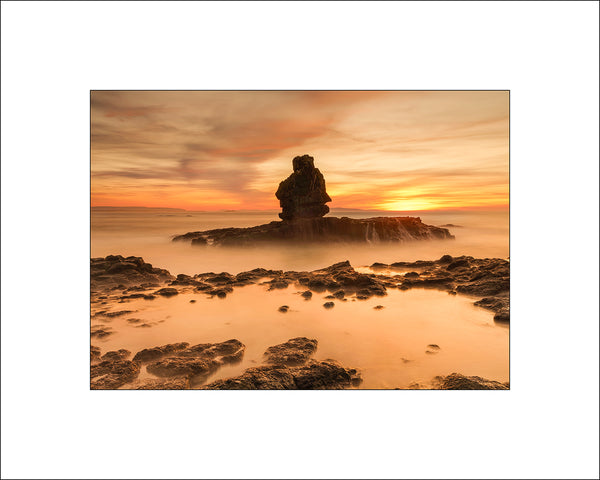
<point x="302" y="194"/>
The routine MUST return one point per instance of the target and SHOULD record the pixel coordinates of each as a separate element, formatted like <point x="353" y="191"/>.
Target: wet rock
<point x="339" y="294"/>
<point x="192" y="301"/>
<point x="277" y="283"/>
<point x="150" y="354"/>
<point x="118" y="313"/>
<point x="149" y="297"/>
<point x="167" y="292"/>
<point x="324" y="375"/>
<point x="199" y="360"/>
<point x="118" y="272"/>
<point x="200" y="241"/>
<point x="144" y="325"/>
<point x="101" y="331"/>
<point x="307" y="294"/>
<point x="109" y="375"/>
<point x="433" y="346"/>
<point x="94" y="353"/>
<point x="378" y="307"/>
<point x="329" y="305"/>
<point x="411" y="275"/>
<point x="303" y="194"/>
<point x="456" y="381"/>
<point x="283" y="308"/>
<point x="295" y="351"/>
<point x="115" y="355"/>
<point x="134" y="320"/>
<point x="326" y="229"/>
<point x="178" y="383"/>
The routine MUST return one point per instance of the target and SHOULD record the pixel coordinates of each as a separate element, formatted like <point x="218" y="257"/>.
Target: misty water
<point x="388" y="345"/>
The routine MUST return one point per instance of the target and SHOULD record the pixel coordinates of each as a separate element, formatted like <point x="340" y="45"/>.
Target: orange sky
<point x="229" y="150"/>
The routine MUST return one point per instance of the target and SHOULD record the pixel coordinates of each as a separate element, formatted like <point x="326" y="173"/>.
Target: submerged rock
<point x="295" y="351"/>
<point x="456" y="381"/>
<point x="303" y="194"/>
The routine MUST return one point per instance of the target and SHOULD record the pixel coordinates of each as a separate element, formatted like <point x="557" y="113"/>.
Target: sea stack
<point x="303" y="194"/>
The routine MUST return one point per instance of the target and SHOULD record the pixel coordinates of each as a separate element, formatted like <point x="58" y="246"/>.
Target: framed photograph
<point x="309" y="239"/>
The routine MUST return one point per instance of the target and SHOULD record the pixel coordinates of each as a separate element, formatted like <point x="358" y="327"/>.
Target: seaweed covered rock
<point x="303" y="193"/>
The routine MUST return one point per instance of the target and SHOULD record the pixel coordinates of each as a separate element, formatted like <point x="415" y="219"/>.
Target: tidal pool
<point x="388" y="345"/>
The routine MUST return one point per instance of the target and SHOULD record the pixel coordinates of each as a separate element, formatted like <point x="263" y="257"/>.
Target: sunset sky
<point x="229" y="150"/>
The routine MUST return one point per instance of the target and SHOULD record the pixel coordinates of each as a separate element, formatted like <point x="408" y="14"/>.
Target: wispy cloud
<point x="208" y="149"/>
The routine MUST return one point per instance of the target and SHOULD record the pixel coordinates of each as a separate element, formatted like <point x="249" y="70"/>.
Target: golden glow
<point x="229" y="150"/>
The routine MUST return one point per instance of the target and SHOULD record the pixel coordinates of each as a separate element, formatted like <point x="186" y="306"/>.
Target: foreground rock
<point x="326" y="375"/>
<point x="319" y="230"/>
<point x="292" y="369"/>
<point x="303" y="194"/>
<point x="116" y="271"/>
<point x="456" y="381"/>
<point x="296" y="351"/>
<point x="199" y="360"/>
<point x="112" y="374"/>
<point x="478" y="277"/>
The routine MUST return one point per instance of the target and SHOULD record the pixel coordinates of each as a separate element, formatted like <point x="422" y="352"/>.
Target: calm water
<point x="387" y="345"/>
<point x="147" y="233"/>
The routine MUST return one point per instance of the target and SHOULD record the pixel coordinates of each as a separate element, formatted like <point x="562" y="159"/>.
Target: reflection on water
<point x="389" y="345"/>
<point x="147" y="232"/>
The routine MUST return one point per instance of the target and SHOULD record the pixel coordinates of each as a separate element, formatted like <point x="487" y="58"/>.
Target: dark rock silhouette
<point x="303" y="194"/>
<point x="328" y="229"/>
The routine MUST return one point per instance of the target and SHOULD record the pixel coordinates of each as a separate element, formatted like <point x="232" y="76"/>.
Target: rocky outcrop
<point x="327" y="229"/>
<point x="199" y="360"/>
<point x="112" y="374"/>
<point x="456" y="381"/>
<point x="325" y="375"/>
<point x="116" y="271"/>
<point x="478" y="277"/>
<point x="303" y="194"/>
<point x="154" y="353"/>
<point x="296" y="351"/>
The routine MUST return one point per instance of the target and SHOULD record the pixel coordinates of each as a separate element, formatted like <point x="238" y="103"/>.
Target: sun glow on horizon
<point x="385" y="150"/>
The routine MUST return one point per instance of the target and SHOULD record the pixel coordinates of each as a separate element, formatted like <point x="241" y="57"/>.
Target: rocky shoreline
<point x="285" y="366"/>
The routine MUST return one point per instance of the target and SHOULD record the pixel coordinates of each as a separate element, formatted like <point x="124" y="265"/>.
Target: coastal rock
<point x="325" y="229"/>
<point x="480" y="277"/>
<point x="116" y="271"/>
<point x="149" y="354"/>
<point x="116" y="355"/>
<point x="110" y="374"/>
<point x="324" y="375"/>
<point x="295" y="351"/>
<point x="178" y="383"/>
<point x="198" y="360"/>
<point x="94" y="353"/>
<point x="456" y="381"/>
<point x="303" y="193"/>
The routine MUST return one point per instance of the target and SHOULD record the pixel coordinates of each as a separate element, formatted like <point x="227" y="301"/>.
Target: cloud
<point x="240" y="144"/>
